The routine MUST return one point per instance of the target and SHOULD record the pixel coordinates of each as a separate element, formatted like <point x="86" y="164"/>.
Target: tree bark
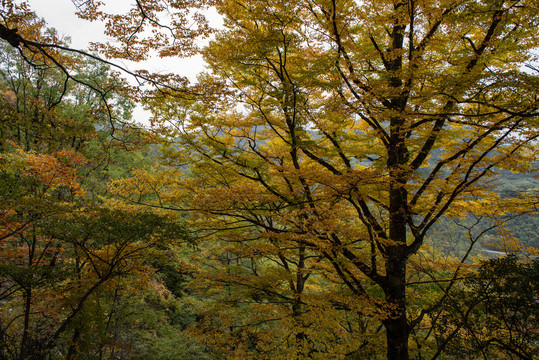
<point x="394" y="285"/>
<point x="396" y="324"/>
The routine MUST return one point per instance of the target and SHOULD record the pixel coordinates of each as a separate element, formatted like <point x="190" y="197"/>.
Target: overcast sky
<point x="60" y="14"/>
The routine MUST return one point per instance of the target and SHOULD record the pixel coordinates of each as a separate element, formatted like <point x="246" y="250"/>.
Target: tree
<point x="495" y="315"/>
<point x="72" y="257"/>
<point x="326" y="141"/>
<point x="335" y="134"/>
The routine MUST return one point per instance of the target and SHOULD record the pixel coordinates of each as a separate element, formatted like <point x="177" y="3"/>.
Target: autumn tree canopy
<point x="342" y="133"/>
<point x="72" y="257"/>
<point x="316" y="154"/>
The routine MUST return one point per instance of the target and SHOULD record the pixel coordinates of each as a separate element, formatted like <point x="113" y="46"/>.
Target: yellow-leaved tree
<point x="331" y="138"/>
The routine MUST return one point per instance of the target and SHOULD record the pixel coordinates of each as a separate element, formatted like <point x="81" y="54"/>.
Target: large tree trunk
<point x="396" y="324"/>
<point x="394" y="285"/>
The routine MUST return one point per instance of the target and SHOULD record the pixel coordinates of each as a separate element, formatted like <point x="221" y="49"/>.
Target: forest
<point x="345" y="180"/>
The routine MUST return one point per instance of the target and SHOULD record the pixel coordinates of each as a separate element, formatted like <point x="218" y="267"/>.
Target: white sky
<point x="60" y="14"/>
